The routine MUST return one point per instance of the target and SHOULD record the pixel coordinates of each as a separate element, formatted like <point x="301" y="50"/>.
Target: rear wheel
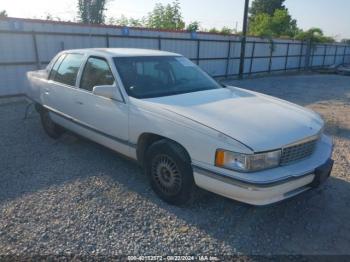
<point x="169" y="169"/>
<point x="51" y="128"/>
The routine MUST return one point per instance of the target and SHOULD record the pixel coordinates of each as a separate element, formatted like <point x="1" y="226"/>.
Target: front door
<point x="106" y="120"/>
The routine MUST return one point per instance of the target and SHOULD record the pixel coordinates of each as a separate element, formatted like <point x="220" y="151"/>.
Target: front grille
<point x="298" y="151"/>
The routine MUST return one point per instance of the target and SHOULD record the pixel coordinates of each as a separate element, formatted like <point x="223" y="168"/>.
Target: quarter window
<point x="96" y="73"/>
<point x="68" y="70"/>
<point x="56" y="66"/>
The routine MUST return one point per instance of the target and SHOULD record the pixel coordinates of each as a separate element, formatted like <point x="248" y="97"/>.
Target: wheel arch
<point x="145" y="140"/>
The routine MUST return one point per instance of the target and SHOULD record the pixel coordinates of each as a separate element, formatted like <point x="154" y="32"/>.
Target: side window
<point x="68" y="70"/>
<point x="96" y="73"/>
<point x="55" y="66"/>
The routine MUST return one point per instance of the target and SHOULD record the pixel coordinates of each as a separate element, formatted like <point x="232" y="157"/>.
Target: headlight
<point x="247" y="163"/>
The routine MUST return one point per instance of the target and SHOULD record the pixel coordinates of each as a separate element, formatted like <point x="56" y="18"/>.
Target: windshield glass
<point x="146" y="77"/>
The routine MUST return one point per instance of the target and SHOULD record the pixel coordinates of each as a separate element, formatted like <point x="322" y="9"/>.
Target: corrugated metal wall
<point x="30" y="44"/>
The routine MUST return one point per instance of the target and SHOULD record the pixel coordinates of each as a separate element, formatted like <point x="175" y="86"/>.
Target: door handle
<point x="79" y="102"/>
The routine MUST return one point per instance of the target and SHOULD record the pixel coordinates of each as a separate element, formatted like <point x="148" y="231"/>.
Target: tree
<point x="277" y="25"/>
<point x="260" y="25"/>
<point x="166" y="17"/>
<point x="314" y="35"/>
<point x="283" y="24"/>
<point x="91" y="11"/>
<point x="125" y="21"/>
<point x="266" y="7"/>
<point x="226" y="30"/>
<point x="214" y="30"/>
<point x="193" y="26"/>
<point x="3" y="13"/>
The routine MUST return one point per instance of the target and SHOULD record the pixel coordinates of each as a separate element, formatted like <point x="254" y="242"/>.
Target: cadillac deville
<point x="183" y="127"/>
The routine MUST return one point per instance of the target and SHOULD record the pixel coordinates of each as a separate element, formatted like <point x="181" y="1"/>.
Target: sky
<point x="333" y="16"/>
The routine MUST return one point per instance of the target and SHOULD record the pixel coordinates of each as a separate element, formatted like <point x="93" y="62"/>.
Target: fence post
<point x="308" y="55"/>
<point x="107" y="40"/>
<point x="335" y="55"/>
<point x="344" y="54"/>
<point x="62" y="45"/>
<point x="324" y="55"/>
<point x="286" y="62"/>
<point x="228" y="58"/>
<point x="314" y="49"/>
<point x="270" y="59"/>
<point x="243" y="39"/>
<point x="159" y="43"/>
<point x="301" y="55"/>
<point x="36" y="51"/>
<point x="251" y="59"/>
<point x="198" y="50"/>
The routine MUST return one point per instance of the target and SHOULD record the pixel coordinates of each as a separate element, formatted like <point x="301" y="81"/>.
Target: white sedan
<point x="183" y="127"/>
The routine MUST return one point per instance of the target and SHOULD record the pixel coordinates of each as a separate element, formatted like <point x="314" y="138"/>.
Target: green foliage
<point x="3" y="13"/>
<point x="277" y="25"/>
<point x="226" y="30"/>
<point x="260" y="25"/>
<point x="125" y="21"/>
<point x="214" y="30"/>
<point x="166" y="17"/>
<point x="314" y="35"/>
<point x="265" y="7"/>
<point x="91" y="11"/>
<point x="193" y="26"/>
<point x="270" y="18"/>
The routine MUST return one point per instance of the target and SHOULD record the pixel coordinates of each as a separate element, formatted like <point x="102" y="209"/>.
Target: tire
<point x="169" y="169"/>
<point x="52" y="129"/>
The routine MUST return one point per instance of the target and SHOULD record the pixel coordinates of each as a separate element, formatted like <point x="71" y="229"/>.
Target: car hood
<point x="259" y="121"/>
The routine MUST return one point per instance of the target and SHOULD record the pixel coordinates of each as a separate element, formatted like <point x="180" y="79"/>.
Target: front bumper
<point x="310" y="173"/>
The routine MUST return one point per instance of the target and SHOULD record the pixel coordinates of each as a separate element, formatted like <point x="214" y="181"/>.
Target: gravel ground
<point x="72" y="196"/>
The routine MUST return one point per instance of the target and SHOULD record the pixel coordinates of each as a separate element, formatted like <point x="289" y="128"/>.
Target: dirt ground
<point x="73" y="197"/>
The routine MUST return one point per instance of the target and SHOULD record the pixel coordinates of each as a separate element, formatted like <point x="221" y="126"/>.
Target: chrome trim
<point x="305" y="140"/>
<point x="255" y="186"/>
<point x="75" y="121"/>
<point x="299" y="150"/>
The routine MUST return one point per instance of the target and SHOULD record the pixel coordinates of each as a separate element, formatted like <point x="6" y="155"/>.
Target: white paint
<point x="229" y="118"/>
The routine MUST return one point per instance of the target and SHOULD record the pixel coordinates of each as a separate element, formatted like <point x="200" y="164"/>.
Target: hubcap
<point x="166" y="174"/>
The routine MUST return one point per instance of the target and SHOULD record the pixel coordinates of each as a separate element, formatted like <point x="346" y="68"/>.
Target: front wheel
<point x="51" y="128"/>
<point x="169" y="169"/>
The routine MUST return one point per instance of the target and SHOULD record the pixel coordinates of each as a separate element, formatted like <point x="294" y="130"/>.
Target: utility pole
<point x="243" y="39"/>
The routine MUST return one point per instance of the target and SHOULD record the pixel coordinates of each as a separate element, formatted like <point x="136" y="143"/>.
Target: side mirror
<point x="108" y="91"/>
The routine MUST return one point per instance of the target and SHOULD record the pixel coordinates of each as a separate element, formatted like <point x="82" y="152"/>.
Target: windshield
<point x="146" y="77"/>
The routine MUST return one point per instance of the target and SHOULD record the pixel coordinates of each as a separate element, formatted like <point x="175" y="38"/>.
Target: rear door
<point x="59" y="93"/>
<point x="105" y="117"/>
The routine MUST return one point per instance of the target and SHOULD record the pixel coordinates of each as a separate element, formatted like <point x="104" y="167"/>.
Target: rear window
<point x="68" y="69"/>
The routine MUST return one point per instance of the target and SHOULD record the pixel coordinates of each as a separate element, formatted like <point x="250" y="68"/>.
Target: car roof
<point x="122" y="52"/>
